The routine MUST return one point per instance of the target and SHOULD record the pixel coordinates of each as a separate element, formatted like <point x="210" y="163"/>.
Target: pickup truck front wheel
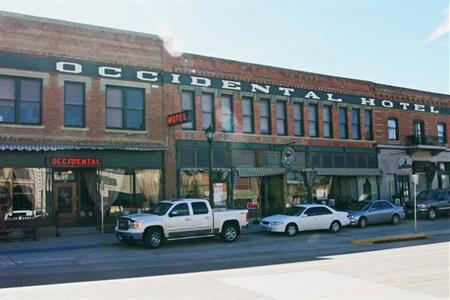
<point x="229" y="233"/>
<point x="153" y="238"/>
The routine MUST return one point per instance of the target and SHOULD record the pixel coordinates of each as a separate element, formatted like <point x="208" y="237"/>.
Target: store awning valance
<point x="59" y="147"/>
<point x="348" y="172"/>
<point x="259" y="172"/>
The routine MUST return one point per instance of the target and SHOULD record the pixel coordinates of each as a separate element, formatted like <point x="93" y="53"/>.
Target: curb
<point x="390" y="239"/>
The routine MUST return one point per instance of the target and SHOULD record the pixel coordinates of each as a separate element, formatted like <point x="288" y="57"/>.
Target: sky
<point x="395" y="42"/>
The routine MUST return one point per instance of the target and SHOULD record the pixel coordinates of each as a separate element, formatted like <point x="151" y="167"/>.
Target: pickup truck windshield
<point x="294" y="211"/>
<point x="160" y="208"/>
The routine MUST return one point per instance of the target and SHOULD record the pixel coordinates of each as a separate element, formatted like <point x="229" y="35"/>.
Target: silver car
<point x="375" y="211"/>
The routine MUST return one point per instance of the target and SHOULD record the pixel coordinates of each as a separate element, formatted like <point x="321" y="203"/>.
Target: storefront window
<point x="26" y="189"/>
<point x="126" y="192"/>
<point x="195" y="184"/>
<point x="148" y="187"/>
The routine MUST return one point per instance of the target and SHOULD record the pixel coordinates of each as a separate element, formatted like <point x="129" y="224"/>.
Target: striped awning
<point x="59" y="147"/>
<point x="259" y="172"/>
<point x="348" y="172"/>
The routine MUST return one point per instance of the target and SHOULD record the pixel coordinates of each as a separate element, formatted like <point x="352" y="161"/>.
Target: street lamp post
<point x="210" y="132"/>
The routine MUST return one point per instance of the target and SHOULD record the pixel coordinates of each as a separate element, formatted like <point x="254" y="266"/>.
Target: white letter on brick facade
<point x="231" y="85"/>
<point x="369" y="101"/>
<point x="419" y="107"/>
<point x="265" y="89"/>
<point x="387" y="103"/>
<point x="433" y="110"/>
<point x="74" y="68"/>
<point x="175" y="78"/>
<point x="330" y="98"/>
<point x="102" y="72"/>
<point x="287" y="91"/>
<point x="312" y="95"/>
<point x="147" y="76"/>
<point x="404" y="105"/>
<point x="200" y="81"/>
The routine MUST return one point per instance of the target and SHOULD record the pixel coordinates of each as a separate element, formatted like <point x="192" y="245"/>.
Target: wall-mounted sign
<point x="288" y="157"/>
<point x="96" y="69"/>
<point x="178" y="118"/>
<point x="73" y="162"/>
<point x="252" y="205"/>
<point x="405" y="162"/>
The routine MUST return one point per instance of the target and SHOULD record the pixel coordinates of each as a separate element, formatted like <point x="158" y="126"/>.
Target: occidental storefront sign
<point x="77" y="67"/>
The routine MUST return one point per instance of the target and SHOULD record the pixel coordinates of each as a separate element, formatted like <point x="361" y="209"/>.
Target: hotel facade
<point x="84" y="128"/>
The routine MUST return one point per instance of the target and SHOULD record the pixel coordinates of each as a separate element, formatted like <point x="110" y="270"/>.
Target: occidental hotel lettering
<point x="155" y="77"/>
<point x="211" y="82"/>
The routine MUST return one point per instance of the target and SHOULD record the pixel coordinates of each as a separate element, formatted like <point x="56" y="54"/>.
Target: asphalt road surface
<point x="261" y="250"/>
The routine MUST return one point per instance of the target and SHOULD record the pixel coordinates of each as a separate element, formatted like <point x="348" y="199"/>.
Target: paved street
<point x="416" y="272"/>
<point x="36" y="264"/>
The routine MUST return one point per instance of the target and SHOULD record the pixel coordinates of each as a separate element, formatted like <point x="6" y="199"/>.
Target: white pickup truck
<point x="181" y="219"/>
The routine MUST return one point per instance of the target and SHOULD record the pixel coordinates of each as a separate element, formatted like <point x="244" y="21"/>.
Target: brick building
<point x="83" y="124"/>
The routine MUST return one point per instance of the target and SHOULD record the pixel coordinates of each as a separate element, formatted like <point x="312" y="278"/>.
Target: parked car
<point x="26" y="213"/>
<point x="181" y="219"/>
<point x="430" y="204"/>
<point x="375" y="211"/>
<point x="306" y="217"/>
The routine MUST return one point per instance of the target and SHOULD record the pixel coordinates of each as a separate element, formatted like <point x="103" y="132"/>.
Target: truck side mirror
<point x="173" y="214"/>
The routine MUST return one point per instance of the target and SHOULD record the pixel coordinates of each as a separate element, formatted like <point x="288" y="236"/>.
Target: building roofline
<point x="374" y="84"/>
<point x="78" y="25"/>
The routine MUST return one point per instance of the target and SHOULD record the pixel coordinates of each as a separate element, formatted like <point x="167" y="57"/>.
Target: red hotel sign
<point x="178" y="118"/>
<point x="74" y="162"/>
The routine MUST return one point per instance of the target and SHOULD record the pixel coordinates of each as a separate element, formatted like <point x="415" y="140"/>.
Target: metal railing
<point x="425" y="140"/>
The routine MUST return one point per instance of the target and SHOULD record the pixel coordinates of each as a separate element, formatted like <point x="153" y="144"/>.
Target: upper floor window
<point x="327" y="122"/>
<point x="207" y="110"/>
<point x="313" y="121"/>
<point x="343" y="133"/>
<point x="368" y="124"/>
<point x="74" y="104"/>
<point x="264" y="116"/>
<point x="125" y="108"/>
<point x="226" y="102"/>
<point x="20" y="100"/>
<point x="419" y="128"/>
<point x="298" y="119"/>
<point x="247" y="115"/>
<point x="281" y="118"/>
<point x="442" y="133"/>
<point x="392" y="129"/>
<point x="356" y="135"/>
<point x="188" y="103"/>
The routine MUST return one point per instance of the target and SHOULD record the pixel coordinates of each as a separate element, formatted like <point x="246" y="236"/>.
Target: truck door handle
<point x="187" y="219"/>
<point x="207" y="218"/>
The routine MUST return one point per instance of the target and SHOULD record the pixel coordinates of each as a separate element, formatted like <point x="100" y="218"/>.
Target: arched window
<point x="392" y="128"/>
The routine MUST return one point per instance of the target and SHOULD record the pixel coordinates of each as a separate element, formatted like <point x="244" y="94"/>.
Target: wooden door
<point x="65" y="200"/>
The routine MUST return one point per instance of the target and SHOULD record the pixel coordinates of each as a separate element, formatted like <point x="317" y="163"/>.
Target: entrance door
<point x="65" y="200"/>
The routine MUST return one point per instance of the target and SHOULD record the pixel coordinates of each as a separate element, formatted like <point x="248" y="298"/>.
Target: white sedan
<point x="306" y="217"/>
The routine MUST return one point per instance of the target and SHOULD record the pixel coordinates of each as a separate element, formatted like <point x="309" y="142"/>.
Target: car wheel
<point x="432" y="214"/>
<point x="362" y="222"/>
<point x="229" y="233"/>
<point x="395" y="219"/>
<point x="121" y="238"/>
<point x="153" y="238"/>
<point x="335" y="226"/>
<point x="291" y="229"/>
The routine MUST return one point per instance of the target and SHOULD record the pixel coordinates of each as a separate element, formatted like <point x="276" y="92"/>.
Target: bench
<point x="26" y="223"/>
